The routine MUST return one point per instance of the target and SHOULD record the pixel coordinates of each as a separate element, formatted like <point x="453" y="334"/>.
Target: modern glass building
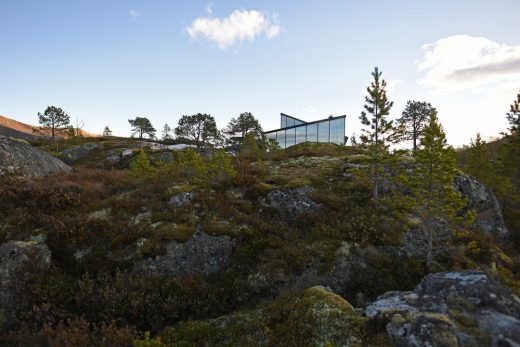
<point x="293" y="131"/>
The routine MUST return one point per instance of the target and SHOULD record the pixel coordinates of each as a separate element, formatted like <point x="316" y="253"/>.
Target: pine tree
<point x="414" y="119"/>
<point x="140" y="165"/>
<point x="477" y="162"/>
<point x="192" y="164"/>
<point x="377" y="136"/>
<point x="142" y="126"/>
<point x="220" y="166"/>
<point x="107" y="132"/>
<point x="241" y="126"/>
<point x="199" y="128"/>
<point x="511" y="158"/>
<point x="167" y="133"/>
<point x="435" y="198"/>
<point x="54" y="122"/>
<point x="250" y="149"/>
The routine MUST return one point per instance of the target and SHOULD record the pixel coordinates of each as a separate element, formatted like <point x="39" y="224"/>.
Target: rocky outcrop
<point x="181" y="199"/>
<point x="480" y="199"/>
<point x="21" y="158"/>
<point x="76" y="153"/>
<point x="15" y="258"/>
<point x="290" y="202"/>
<point x="463" y="308"/>
<point x="202" y="254"/>
<point x="312" y="317"/>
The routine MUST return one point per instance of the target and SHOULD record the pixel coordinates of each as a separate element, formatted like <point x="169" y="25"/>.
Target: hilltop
<point x="13" y="128"/>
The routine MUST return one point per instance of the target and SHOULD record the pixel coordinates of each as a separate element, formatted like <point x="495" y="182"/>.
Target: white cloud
<point x="133" y="14"/>
<point x="466" y="62"/>
<point x="241" y="25"/>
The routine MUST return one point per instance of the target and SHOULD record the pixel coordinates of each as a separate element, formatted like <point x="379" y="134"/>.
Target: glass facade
<point x="288" y="121"/>
<point x="330" y="130"/>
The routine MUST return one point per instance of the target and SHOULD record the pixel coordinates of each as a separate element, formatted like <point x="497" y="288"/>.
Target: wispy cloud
<point x="133" y="14"/>
<point x="239" y="26"/>
<point x="462" y="62"/>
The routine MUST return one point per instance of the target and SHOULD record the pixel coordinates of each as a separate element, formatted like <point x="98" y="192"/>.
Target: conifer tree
<point x="54" y="122"/>
<point x="435" y="198"/>
<point x="107" y="132"/>
<point x="220" y="166"/>
<point x="167" y="132"/>
<point x="511" y="158"/>
<point x="192" y="164"/>
<point x="414" y="119"/>
<point x="199" y="128"/>
<point x="140" y="165"/>
<point x="142" y="126"/>
<point x="376" y="136"/>
<point x="477" y="161"/>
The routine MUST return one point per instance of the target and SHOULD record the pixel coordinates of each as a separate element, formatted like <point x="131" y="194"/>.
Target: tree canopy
<point x="199" y="128"/>
<point x="243" y="125"/>
<point x="414" y="119"/>
<point x="142" y="126"/>
<point x="54" y="122"/>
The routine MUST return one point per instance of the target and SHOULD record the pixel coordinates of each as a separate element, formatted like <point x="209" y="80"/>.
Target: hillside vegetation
<point x="251" y="233"/>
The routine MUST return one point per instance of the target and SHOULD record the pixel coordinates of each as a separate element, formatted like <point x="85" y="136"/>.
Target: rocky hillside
<point x="12" y="128"/>
<point x="148" y="245"/>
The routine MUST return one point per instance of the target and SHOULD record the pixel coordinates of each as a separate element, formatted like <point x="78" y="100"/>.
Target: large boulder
<point x="17" y="259"/>
<point x="290" y="202"/>
<point x="17" y="157"/>
<point x="76" y="153"/>
<point x="480" y="199"/>
<point x="312" y="317"/>
<point x="202" y="254"/>
<point x="461" y="308"/>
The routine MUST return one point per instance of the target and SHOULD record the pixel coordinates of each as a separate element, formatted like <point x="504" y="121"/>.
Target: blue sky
<point x="107" y="61"/>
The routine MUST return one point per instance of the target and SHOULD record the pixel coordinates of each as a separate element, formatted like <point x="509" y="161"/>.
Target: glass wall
<point x="323" y="131"/>
<point x="301" y="134"/>
<point x="287" y="121"/>
<point x="312" y="132"/>
<point x="290" y="137"/>
<point x="280" y="138"/>
<point x="329" y="130"/>
<point x="337" y="131"/>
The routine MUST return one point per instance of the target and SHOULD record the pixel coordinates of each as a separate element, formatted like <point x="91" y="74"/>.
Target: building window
<point x="323" y="131"/>
<point x="280" y="138"/>
<point x="312" y="132"/>
<point x="301" y="134"/>
<point x="337" y="131"/>
<point x="290" y="137"/>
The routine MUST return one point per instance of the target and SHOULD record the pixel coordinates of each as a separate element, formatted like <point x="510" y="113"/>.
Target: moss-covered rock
<point x="312" y="317"/>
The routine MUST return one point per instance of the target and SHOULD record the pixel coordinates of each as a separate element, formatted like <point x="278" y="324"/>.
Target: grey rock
<point x="14" y="257"/>
<point x="426" y="316"/>
<point x="202" y="254"/>
<point x="112" y="157"/>
<point x="20" y="158"/>
<point x="481" y="199"/>
<point x="166" y="157"/>
<point x="290" y="202"/>
<point x="127" y="152"/>
<point x="76" y="153"/>
<point x="181" y="199"/>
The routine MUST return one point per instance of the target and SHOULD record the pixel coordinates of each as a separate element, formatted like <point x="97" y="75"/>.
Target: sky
<point x="105" y="62"/>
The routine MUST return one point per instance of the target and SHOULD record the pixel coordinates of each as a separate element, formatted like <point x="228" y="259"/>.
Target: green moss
<point x="171" y="231"/>
<point x="297" y="183"/>
<point x="313" y="317"/>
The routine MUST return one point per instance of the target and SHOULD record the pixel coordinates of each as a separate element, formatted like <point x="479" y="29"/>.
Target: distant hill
<point x="12" y="128"/>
